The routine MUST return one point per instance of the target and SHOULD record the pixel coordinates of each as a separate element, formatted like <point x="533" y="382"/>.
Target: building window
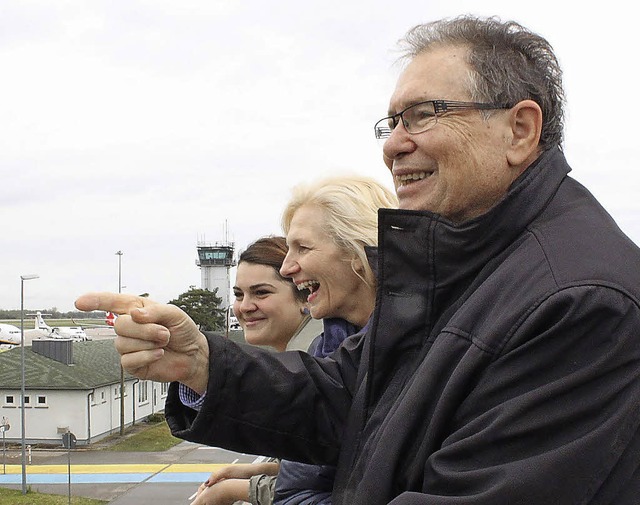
<point x="9" y="401"/>
<point x="27" y="401"/>
<point x="116" y="391"/>
<point x="164" y="389"/>
<point x="143" y="392"/>
<point x="41" y="401"/>
<point x="102" y="398"/>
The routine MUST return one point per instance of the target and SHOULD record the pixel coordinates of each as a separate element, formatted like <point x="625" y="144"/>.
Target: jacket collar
<point x="429" y="261"/>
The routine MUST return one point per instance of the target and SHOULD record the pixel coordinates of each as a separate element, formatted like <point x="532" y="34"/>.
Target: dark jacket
<point x="302" y="483"/>
<point x="502" y="364"/>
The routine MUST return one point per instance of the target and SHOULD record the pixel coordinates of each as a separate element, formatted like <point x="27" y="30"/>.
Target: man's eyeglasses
<point x="419" y="117"/>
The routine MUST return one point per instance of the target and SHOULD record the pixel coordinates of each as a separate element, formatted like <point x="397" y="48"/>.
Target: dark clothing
<point x="501" y="366"/>
<point x="313" y="484"/>
<point x="301" y="483"/>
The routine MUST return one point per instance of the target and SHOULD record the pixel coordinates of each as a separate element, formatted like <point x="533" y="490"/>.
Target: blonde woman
<point x="329" y="224"/>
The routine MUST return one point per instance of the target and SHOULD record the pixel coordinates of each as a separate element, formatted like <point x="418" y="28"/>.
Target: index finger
<point x="117" y="303"/>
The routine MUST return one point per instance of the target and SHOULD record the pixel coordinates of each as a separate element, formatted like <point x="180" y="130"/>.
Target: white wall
<point x="88" y="418"/>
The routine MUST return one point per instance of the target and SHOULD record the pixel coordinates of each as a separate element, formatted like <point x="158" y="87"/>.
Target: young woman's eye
<point x="238" y="296"/>
<point x="263" y="293"/>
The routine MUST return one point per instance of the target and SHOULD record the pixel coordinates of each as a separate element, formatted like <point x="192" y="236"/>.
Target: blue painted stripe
<point x="198" y="477"/>
<point x="76" y="479"/>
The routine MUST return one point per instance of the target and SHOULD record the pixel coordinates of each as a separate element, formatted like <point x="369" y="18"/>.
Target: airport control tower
<point x="215" y="262"/>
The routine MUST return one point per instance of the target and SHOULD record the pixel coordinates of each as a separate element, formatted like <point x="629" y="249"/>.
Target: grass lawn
<point x="15" y="497"/>
<point x="156" y="438"/>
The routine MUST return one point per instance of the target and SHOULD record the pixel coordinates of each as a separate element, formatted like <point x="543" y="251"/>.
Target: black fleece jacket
<point x="501" y="365"/>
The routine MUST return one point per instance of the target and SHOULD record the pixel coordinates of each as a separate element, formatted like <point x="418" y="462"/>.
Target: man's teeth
<point x="308" y="285"/>
<point x="408" y="178"/>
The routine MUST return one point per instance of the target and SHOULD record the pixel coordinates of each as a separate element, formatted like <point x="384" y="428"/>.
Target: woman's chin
<point x="254" y="338"/>
<point x="317" y="313"/>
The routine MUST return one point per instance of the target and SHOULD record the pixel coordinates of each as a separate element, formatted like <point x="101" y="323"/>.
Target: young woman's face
<point x="265" y="306"/>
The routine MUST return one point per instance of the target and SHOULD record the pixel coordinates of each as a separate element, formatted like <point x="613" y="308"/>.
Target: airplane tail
<point x="40" y="324"/>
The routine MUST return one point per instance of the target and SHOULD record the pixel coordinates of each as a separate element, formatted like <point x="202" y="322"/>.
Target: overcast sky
<point x="145" y="126"/>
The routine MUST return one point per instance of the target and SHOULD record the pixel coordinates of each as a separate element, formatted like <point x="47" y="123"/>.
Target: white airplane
<point x="233" y="324"/>
<point x="72" y="332"/>
<point x="9" y="336"/>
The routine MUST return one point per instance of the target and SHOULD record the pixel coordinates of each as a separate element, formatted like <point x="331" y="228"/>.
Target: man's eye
<point x="421" y="112"/>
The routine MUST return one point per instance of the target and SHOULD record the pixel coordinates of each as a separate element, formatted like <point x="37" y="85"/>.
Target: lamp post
<point x="22" y="381"/>
<point x="119" y="254"/>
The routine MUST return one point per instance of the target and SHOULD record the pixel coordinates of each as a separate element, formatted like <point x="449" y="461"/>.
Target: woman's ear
<point x="526" y="126"/>
<point x="357" y="266"/>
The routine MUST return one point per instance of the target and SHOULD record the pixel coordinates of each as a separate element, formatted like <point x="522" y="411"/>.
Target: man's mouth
<point x="406" y="179"/>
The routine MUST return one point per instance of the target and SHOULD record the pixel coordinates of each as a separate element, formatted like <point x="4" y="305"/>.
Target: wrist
<point x="199" y="376"/>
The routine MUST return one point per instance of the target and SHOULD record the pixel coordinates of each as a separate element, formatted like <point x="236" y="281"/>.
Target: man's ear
<point x="526" y="127"/>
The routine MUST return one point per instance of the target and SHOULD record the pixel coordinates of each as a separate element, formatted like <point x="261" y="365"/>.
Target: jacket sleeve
<point x="555" y="416"/>
<point x="287" y="405"/>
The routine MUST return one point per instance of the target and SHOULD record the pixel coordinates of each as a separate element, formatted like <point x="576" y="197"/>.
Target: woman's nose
<point x="247" y="305"/>
<point x="289" y="266"/>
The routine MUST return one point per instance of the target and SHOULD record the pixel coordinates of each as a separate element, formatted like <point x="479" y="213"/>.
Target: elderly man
<point x="502" y="362"/>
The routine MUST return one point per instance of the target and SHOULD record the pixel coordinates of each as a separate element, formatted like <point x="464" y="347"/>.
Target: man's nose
<point x="399" y="142"/>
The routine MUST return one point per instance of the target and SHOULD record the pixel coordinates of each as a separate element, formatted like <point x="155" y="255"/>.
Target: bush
<point x="156" y="417"/>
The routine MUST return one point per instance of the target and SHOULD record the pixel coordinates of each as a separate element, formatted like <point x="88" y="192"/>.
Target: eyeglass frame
<point x="439" y="107"/>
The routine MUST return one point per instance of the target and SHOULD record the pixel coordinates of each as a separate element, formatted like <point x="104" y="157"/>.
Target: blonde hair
<point x="350" y="205"/>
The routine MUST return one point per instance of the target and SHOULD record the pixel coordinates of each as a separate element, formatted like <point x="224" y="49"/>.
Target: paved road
<point x="168" y="477"/>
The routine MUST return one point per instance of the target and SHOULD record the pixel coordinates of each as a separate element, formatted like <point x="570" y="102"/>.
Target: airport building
<point x="215" y="261"/>
<point x="72" y="387"/>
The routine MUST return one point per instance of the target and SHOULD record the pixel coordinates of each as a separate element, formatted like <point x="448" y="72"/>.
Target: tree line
<point x="202" y="305"/>
<point x="53" y="312"/>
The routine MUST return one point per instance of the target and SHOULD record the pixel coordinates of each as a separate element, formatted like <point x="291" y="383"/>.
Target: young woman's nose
<point x="247" y="305"/>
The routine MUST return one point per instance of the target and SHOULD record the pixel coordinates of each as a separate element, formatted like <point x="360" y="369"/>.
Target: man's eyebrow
<point x="409" y="103"/>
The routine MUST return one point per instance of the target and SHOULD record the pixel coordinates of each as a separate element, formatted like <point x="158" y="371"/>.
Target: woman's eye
<point x="238" y="296"/>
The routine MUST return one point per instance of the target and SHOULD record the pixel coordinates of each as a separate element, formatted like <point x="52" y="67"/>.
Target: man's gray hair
<point x="509" y="63"/>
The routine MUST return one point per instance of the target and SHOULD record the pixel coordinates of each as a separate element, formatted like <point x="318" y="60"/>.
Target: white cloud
<point x="143" y="125"/>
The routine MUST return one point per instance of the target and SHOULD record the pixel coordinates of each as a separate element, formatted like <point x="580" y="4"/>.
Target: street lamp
<point x="119" y="254"/>
<point x="23" y="278"/>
